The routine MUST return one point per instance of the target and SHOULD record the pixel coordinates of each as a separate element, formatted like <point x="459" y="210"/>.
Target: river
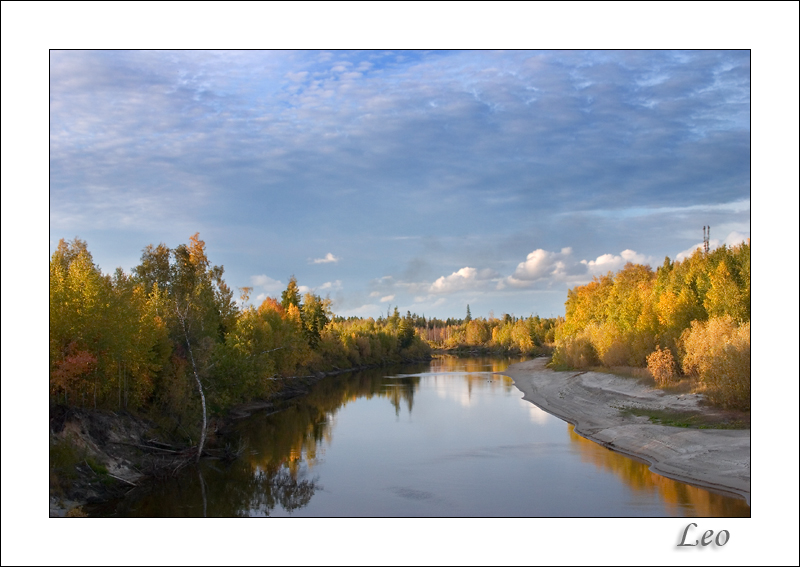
<point x="445" y="439"/>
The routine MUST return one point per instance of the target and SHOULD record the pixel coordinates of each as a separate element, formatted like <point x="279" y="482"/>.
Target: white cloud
<point x="367" y="310"/>
<point x="545" y="266"/>
<point x="326" y="260"/>
<point x="611" y="263"/>
<point x="732" y="239"/>
<point x="465" y="278"/>
<point x="735" y="238"/>
<point x="331" y="285"/>
<point x="387" y="298"/>
<point x="540" y="264"/>
<point x="267" y="284"/>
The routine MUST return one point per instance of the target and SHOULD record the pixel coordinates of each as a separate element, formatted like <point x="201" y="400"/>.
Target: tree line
<point x="688" y="318"/>
<point x="169" y="338"/>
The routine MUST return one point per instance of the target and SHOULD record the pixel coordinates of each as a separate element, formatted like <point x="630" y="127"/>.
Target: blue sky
<point x="426" y="180"/>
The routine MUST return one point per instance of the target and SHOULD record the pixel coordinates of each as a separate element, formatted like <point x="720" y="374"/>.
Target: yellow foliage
<point x="662" y="366"/>
<point x="576" y="351"/>
<point x="718" y="351"/>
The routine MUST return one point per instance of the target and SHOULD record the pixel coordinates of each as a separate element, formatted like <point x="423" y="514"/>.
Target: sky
<point x="427" y="180"/>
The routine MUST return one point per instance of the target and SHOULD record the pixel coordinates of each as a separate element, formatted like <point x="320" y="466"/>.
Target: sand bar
<point x="717" y="459"/>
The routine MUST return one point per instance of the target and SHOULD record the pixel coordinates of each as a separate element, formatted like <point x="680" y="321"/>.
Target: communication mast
<point x="706" y="236"/>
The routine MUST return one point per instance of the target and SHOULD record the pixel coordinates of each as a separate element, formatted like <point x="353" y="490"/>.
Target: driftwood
<point x="150" y="447"/>
<point x="160" y="444"/>
<point x="122" y="479"/>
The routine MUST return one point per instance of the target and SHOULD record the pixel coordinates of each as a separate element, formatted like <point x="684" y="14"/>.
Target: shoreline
<point x="121" y="442"/>
<point x="714" y="459"/>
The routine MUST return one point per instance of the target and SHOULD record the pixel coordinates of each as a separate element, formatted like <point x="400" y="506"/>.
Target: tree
<point x="315" y="315"/>
<point x="154" y="267"/>
<point x="291" y="296"/>
<point x="468" y="318"/>
<point x="198" y="305"/>
<point x="394" y="320"/>
<point x="79" y="304"/>
<point x="405" y="333"/>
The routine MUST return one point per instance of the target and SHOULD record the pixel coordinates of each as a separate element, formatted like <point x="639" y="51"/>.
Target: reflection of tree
<point x="400" y="389"/>
<point x="296" y="435"/>
<point x="235" y="490"/>
<point x="677" y="496"/>
<point x="285" y="445"/>
<point x="472" y="364"/>
<point x="279" y="487"/>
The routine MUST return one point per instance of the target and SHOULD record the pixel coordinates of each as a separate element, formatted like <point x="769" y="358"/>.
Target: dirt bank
<point x="603" y="408"/>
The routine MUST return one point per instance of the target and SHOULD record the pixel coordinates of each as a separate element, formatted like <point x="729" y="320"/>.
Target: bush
<point x="718" y="352"/>
<point x="662" y="366"/>
<point x="575" y="352"/>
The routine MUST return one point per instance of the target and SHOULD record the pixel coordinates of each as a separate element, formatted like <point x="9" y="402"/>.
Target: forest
<point x="169" y="339"/>
<point x="689" y="319"/>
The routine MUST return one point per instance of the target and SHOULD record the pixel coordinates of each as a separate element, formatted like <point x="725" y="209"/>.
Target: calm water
<point x="444" y="439"/>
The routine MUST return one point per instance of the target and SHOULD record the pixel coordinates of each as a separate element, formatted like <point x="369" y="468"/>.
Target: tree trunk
<point x="199" y="385"/>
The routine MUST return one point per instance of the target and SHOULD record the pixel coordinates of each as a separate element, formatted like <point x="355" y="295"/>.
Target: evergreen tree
<point x="292" y="294"/>
<point x="468" y="318"/>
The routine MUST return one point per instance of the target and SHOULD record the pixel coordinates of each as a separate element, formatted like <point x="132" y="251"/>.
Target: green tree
<point x="394" y="319"/>
<point x="315" y="314"/>
<point x="468" y="318"/>
<point x="405" y="333"/>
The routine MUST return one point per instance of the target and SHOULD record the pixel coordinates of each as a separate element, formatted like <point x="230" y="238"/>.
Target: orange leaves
<point x="68" y="374"/>
<point x="662" y="366"/>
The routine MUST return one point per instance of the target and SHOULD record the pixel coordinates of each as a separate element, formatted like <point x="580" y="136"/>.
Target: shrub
<point x="575" y="352"/>
<point x="608" y="343"/>
<point x="718" y="351"/>
<point x="662" y="366"/>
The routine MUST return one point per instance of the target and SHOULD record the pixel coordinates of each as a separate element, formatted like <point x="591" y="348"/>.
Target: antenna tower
<point x="706" y="236"/>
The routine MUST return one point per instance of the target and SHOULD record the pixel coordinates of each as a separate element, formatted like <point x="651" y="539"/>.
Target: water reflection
<point x="473" y="365"/>
<point x="454" y="439"/>
<point x="678" y="498"/>
<point x="214" y="490"/>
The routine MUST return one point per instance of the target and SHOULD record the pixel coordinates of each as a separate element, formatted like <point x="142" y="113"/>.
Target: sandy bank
<point x="717" y="459"/>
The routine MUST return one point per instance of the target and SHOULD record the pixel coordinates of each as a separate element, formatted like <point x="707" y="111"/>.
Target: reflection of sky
<point x="465" y="449"/>
<point x="537" y="415"/>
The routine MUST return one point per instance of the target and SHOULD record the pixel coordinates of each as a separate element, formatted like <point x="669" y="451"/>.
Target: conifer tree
<point x="291" y="296"/>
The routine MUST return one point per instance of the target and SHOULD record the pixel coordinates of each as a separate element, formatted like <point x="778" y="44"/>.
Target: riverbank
<point x="98" y="455"/>
<point x="603" y="408"/>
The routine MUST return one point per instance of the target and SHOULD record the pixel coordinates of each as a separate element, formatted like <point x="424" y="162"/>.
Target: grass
<point x="690" y="419"/>
<point x="65" y="458"/>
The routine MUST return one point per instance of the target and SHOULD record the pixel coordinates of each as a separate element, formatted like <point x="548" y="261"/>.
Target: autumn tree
<point x="291" y="295"/>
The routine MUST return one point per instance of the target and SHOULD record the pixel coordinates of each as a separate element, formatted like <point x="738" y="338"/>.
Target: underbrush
<point x="718" y="353"/>
<point x="711" y="358"/>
